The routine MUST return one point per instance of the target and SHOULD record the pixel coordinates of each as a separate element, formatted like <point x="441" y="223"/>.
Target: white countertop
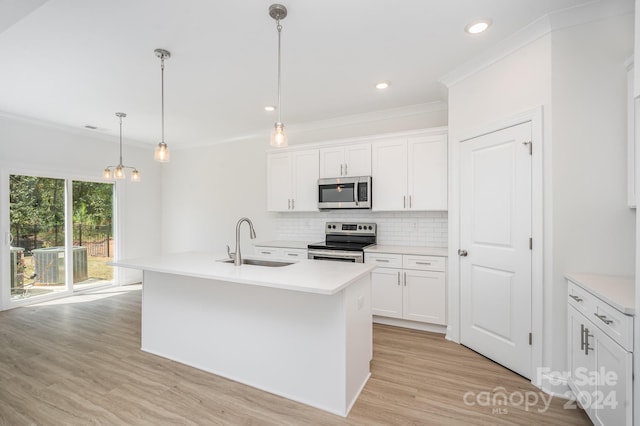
<point x="309" y="276"/>
<point x="617" y="291"/>
<point x="283" y="244"/>
<point x="427" y="251"/>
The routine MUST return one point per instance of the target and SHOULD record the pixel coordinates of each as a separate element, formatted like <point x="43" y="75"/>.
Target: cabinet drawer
<point x="614" y="323"/>
<point x="580" y="299"/>
<point x="268" y="251"/>
<point x="423" y="263"/>
<point x="384" y="260"/>
<point x="294" y="253"/>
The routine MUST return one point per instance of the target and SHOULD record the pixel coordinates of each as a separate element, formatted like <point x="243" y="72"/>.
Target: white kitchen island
<point x="302" y="331"/>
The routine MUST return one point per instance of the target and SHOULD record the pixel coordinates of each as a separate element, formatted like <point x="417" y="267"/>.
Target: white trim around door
<point x="535" y="116"/>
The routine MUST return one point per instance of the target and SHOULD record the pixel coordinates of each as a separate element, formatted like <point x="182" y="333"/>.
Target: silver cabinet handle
<point x="576" y="298"/>
<point x="289" y="204"/>
<point x="382" y="260"/>
<point x="404" y="202"/>
<point x="586" y="341"/>
<point x="293" y="204"/>
<point x="582" y="337"/>
<point x="423" y="263"/>
<point x="345" y="170"/>
<point x="293" y="254"/>
<point x="341" y="167"/>
<point x="405" y="279"/>
<point x="265" y="252"/>
<point x="603" y="318"/>
<point x="409" y="201"/>
<point x="398" y="277"/>
<point x="462" y="253"/>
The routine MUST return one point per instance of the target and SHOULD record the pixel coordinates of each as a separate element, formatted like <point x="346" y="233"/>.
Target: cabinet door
<point x="304" y="197"/>
<point x="331" y="162"/>
<point x="389" y="171"/>
<point x="612" y="400"/>
<point x="427" y="173"/>
<point x="386" y="292"/>
<point x="580" y="362"/>
<point x="357" y="160"/>
<point x="278" y="181"/>
<point x="424" y="296"/>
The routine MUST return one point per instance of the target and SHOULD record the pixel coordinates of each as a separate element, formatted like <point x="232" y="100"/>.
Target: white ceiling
<point x="77" y="62"/>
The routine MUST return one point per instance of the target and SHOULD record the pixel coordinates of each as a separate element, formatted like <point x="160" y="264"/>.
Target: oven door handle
<point x="336" y="254"/>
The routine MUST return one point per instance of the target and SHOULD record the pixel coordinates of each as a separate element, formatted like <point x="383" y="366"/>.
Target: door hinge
<point x="530" y="338"/>
<point x="530" y="144"/>
<point x="530" y="243"/>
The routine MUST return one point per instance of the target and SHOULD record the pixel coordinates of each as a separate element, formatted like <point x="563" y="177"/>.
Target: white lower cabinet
<point x="408" y="287"/>
<point x="600" y="368"/>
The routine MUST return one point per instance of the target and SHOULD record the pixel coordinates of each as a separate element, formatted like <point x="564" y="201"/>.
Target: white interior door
<point x="495" y="232"/>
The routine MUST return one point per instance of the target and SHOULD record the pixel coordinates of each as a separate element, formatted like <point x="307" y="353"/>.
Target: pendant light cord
<point x="279" y="28"/>
<point x="120" y="117"/>
<point x="162" y="92"/>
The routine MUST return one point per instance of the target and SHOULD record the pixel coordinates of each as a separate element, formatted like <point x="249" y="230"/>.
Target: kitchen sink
<point x="258" y="262"/>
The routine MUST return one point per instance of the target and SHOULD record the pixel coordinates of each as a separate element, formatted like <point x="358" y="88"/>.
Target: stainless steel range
<point x="344" y="242"/>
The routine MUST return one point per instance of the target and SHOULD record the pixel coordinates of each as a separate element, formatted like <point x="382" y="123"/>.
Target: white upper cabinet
<point x="389" y="175"/>
<point x="349" y="160"/>
<point x="410" y="173"/>
<point x="292" y="181"/>
<point x="427" y="172"/>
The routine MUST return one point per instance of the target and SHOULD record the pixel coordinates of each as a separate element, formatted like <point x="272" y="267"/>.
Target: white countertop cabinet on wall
<point x="342" y="161"/>
<point x="409" y="287"/>
<point x="600" y="338"/>
<point x="410" y="173"/>
<point x="292" y="181"/>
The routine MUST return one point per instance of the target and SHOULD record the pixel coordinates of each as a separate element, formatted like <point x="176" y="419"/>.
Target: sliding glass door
<point x="37" y="236"/>
<point x="93" y="243"/>
<point x="60" y="236"/>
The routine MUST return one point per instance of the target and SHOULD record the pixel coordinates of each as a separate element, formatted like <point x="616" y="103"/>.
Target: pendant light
<point x="278" y="135"/>
<point x="118" y="172"/>
<point x="162" y="150"/>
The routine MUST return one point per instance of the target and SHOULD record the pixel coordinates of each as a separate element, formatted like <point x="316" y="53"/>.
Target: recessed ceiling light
<point x="383" y="85"/>
<point x="270" y="108"/>
<point x="478" y="26"/>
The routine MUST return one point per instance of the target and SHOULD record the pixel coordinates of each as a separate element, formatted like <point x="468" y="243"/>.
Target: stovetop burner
<point x="347" y="236"/>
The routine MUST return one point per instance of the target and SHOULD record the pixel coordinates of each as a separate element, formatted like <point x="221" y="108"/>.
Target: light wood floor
<point x="77" y="362"/>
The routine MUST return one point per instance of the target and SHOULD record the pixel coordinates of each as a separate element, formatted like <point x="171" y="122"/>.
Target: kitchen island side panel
<point x="289" y="343"/>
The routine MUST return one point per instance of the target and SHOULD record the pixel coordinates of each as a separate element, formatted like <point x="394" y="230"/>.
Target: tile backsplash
<point x="394" y="228"/>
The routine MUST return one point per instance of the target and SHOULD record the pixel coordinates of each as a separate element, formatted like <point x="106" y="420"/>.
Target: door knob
<point x="462" y="253"/>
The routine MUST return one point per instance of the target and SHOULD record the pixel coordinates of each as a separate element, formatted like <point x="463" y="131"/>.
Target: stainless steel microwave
<point x="345" y="193"/>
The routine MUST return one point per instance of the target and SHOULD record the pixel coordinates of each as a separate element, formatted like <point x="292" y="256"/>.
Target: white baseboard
<point x="434" y="328"/>
<point x="553" y="384"/>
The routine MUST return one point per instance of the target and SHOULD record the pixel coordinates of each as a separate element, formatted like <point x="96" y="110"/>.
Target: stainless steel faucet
<point x="252" y="234"/>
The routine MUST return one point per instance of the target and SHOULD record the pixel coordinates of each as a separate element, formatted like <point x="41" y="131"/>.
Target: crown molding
<point x="565" y="18"/>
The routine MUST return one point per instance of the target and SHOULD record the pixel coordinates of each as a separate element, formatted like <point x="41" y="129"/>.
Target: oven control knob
<point x="370" y="227"/>
<point x="359" y="226"/>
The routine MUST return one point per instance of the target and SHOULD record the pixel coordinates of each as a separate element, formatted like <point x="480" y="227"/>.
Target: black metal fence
<point x="98" y="239"/>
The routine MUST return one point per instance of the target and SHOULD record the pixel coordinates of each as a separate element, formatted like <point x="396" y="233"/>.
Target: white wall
<point x="578" y="77"/>
<point x="206" y="190"/>
<point x="26" y="147"/>
<point x="593" y="229"/>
